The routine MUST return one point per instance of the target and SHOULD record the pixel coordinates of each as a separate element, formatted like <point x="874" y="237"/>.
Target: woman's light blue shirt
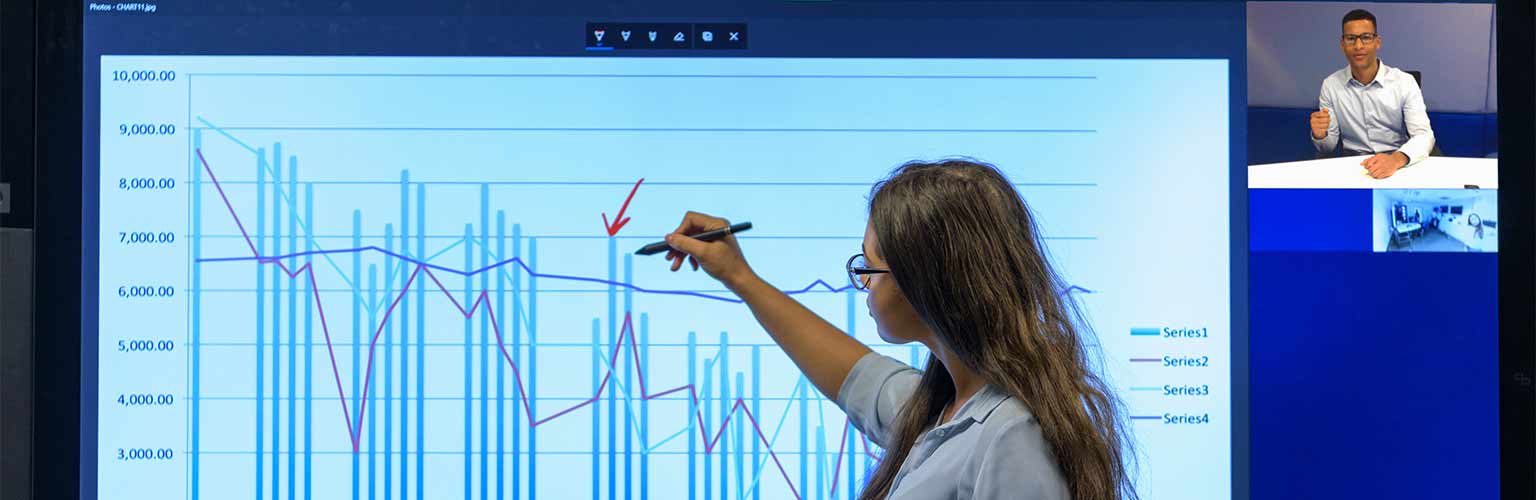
<point x="991" y="449"/>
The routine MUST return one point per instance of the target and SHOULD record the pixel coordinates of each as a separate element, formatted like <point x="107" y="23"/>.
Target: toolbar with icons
<point x="612" y="36"/>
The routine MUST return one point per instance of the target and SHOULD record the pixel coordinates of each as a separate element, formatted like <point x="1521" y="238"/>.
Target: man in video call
<point x="1369" y="108"/>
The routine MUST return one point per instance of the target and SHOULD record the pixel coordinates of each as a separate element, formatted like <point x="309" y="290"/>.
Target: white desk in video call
<point x="1436" y="172"/>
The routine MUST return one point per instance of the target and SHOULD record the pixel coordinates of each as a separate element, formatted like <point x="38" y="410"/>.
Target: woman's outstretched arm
<point x="822" y="351"/>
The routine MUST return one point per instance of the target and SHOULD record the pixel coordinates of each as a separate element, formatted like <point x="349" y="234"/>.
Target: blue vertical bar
<point x="292" y="318"/>
<point x="501" y="366"/>
<point x="741" y="425"/>
<point x="391" y="270"/>
<point x="725" y="415"/>
<point x="709" y="432"/>
<point x="613" y="333"/>
<point x="821" y="454"/>
<point x="914" y="356"/>
<point x="261" y="294"/>
<point x="277" y="328"/>
<point x="852" y="459"/>
<point x="645" y="408"/>
<point x="533" y="365"/>
<point x="629" y="371"/>
<point x="852" y="300"/>
<point x="693" y="381"/>
<point x="357" y="349"/>
<point x="309" y="348"/>
<point x="469" y="362"/>
<point x="485" y="345"/>
<point x="369" y="400"/>
<point x="405" y="337"/>
<point x="805" y="457"/>
<point x="597" y="415"/>
<point x="757" y="412"/>
<point x="517" y="354"/>
<point x="421" y="347"/>
<point x="852" y="313"/>
<point x="197" y="296"/>
<point x="293" y="325"/>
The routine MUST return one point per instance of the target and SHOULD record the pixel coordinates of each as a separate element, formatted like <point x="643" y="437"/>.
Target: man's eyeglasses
<point x="859" y="272"/>
<point x="1362" y="38"/>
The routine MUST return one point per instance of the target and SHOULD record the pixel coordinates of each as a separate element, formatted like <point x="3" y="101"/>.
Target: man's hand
<point x="1320" y="120"/>
<point x="1383" y="165"/>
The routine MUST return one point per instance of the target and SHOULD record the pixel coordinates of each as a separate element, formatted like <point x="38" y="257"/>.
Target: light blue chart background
<point x="404" y="189"/>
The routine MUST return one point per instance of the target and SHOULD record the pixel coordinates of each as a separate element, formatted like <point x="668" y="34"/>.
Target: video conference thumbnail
<point x="1372" y="95"/>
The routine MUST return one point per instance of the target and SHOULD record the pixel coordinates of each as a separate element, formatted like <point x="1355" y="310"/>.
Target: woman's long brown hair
<point x="964" y="250"/>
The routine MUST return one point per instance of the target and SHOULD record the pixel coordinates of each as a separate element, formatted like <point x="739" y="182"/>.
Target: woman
<point x="1006" y="406"/>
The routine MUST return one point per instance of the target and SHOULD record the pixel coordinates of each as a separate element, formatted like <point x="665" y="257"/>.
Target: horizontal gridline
<point x="238" y="181"/>
<point x="648" y="129"/>
<point x="510" y="397"/>
<point x="700" y="345"/>
<point x="828" y="453"/>
<point x="525" y="290"/>
<point x="637" y="75"/>
<point x="582" y="237"/>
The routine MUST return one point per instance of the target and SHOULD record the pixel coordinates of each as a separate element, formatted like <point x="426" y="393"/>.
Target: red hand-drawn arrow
<point x="620" y="220"/>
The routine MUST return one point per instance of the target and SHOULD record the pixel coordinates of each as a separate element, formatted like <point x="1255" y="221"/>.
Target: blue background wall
<point x="1373" y="374"/>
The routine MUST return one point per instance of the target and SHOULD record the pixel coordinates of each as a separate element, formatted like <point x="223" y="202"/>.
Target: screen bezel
<point x="1517" y="250"/>
<point x="61" y="254"/>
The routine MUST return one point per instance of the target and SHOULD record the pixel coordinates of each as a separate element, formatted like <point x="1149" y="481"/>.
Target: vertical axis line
<point x="194" y="143"/>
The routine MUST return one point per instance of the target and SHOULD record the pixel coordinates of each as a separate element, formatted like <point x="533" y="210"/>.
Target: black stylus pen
<point x="661" y="246"/>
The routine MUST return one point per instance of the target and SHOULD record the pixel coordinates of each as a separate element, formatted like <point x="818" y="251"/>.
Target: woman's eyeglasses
<point x="859" y="272"/>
